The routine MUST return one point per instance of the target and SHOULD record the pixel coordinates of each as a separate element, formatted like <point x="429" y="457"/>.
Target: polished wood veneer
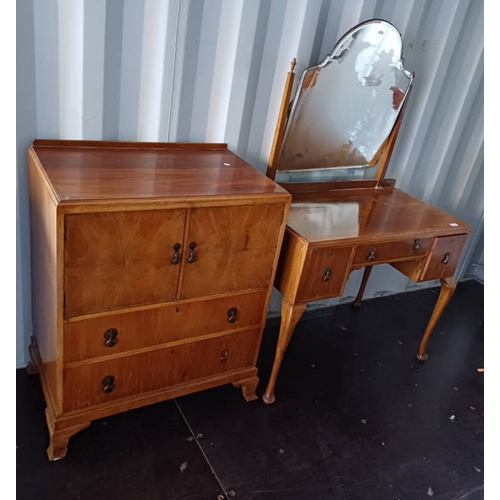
<point x="361" y="215"/>
<point x="89" y="337"/>
<point x="332" y="232"/>
<point x="159" y="368"/>
<point x="337" y="226"/>
<point x="152" y="269"/>
<point x="88" y="170"/>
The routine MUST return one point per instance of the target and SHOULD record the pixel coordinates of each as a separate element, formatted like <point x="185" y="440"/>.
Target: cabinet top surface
<point x="386" y="214"/>
<point x="92" y="171"/>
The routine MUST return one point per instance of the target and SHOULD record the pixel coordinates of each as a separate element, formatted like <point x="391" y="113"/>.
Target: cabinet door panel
<point x="120" y="259"/>
<point x="235" y="248"/>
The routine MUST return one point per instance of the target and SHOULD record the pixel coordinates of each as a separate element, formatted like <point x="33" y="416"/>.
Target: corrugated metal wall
<point x="213" y="70"/>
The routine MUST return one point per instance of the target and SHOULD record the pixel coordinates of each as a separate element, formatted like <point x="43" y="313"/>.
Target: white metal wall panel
<point x="214" y="70"/>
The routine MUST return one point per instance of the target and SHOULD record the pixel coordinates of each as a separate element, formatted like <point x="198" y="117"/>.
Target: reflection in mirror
<point x="315" y="220"/>
<point x="345" y="107"/>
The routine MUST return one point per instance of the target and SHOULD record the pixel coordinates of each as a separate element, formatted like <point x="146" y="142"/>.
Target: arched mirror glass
<point x="345" y="107"/>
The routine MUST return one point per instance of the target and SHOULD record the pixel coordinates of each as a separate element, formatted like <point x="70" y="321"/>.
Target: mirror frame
<point x="288" y="106"/>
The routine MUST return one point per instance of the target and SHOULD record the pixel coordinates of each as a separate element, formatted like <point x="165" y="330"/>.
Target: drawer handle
<point x="176" y="258"/>
<point x="232" y="315"/>
<point x="327" y="274"/>
<point x="416" y="244"/>
<point x="371" y="254"/>
<point x="110" y="337"/>
<point x="108" y="383"/>
<point x="191" y="256"/>
<point x="225" y="354"/>
<point x="446" y="258"/>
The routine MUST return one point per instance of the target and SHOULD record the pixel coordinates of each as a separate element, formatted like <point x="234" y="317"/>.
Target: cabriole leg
<point x="361" y="291"/>
<point x="290" y="315"/>
<point x="448" y="286"/>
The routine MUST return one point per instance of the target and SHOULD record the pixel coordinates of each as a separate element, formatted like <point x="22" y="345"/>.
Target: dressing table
<point x="345" y="117"/>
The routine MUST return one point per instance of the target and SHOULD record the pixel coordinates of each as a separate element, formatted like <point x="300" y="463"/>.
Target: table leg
<point x="364" y="280"/>
<point x="290" y="315"/>
<point x="448" y="286"/>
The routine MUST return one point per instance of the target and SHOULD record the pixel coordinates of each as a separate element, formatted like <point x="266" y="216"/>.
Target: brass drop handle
<point x="108" y="383"/>
<point x="110" y="337"/>
<point x="446" y="258"/>
<point x="416" y="244"/>
<point x="176" y="258"/>
<point x="232" y="314"/>
<point x="327" y="274"/>
<point x="371" y="254"/>
<point x="191" y="256"/>
<point x="225" y="354"/>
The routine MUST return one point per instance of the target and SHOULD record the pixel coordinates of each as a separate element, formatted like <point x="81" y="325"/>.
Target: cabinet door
<point x="120" y="259"/>
<point x="235" y="249"/>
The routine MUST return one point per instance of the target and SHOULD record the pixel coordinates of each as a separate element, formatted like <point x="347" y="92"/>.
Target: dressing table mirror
<point x="344" y="118"/>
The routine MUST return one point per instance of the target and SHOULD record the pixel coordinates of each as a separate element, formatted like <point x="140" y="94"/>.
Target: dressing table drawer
<point x="325" y="273"/>
<point x="106" y="382"/>
<point x="443" y="258"/>
<point x="386" y="252"/>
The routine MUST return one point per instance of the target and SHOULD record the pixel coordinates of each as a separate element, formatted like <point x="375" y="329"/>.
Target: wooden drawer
<point x="386" y="252"/>
<point x="325" y="273"/>
<point x="103" y="336"/>
<point x="86" y="385"/>
<point x="443" y="258"/>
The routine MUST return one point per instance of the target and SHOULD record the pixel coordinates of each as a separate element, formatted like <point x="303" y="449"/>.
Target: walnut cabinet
<point x="152" y="269"/>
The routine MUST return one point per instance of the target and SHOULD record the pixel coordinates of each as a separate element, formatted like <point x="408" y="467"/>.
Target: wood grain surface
<point x="84" y="339"/>
<point x="383" y="215"/>
<point x="107" y="173"/>
<point x="161" y="368"/>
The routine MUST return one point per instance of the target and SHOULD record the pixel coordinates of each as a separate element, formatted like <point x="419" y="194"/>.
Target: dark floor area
<point x="355" y="418"/>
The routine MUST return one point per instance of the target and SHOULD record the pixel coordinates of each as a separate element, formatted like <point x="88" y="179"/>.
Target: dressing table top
<point x="386" y="214"/>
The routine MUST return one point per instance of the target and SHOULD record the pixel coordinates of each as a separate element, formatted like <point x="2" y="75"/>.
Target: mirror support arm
<point x="390" y="143"/>
<point x="280" y="126"/>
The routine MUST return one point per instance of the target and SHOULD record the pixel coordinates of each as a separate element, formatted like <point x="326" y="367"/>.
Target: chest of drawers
<point x="152" y="268"/>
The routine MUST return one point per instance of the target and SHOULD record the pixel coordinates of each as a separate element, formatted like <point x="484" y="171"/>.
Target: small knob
<point x="191" y="256"/>
<point x="225" y="354"/>
<point x="108" y="383"/>
<point x="232" y="315"/>
<point x="327" y="274"/>
<point x="176" y="257"/>
<point x="371" y="254"/>
<point x="110" y="337"/>
<point x="446" y="258"/>
<point x="416" y="244"/>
